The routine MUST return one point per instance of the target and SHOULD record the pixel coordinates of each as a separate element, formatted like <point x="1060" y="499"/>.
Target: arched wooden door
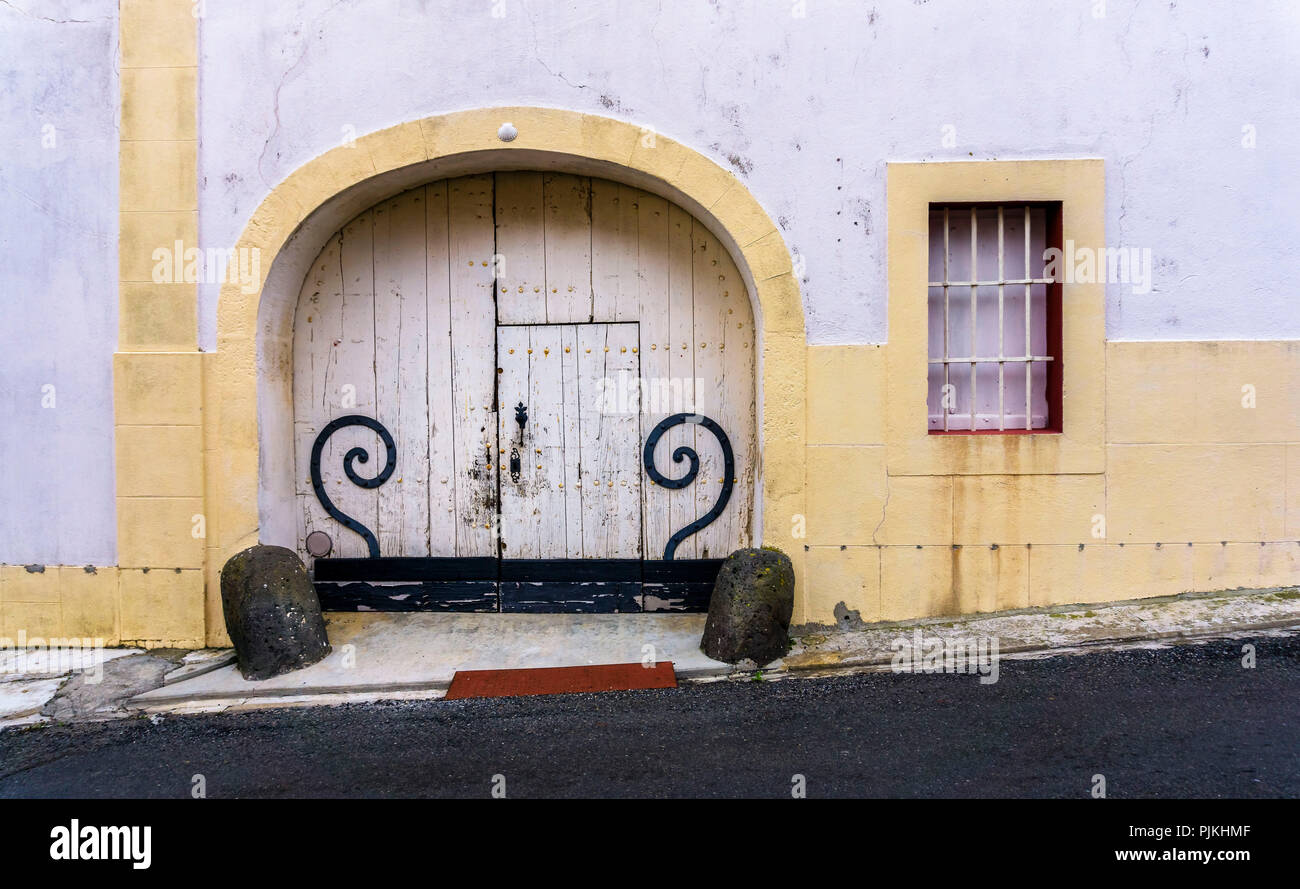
<point x="520" y="337"/>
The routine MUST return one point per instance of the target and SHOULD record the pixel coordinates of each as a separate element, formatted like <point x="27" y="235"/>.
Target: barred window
<point x="995" y="319"/>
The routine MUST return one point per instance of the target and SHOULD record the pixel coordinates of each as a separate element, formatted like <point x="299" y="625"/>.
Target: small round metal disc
<point x="319" y="544"/>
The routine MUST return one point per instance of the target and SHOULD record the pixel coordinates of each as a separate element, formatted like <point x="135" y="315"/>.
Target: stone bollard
<point x="272" y="612"/>
<point x="749" y="614"/>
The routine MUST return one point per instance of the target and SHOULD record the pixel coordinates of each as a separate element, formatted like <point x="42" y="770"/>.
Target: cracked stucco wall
<point x="808" y="110"/>
<point x="58" y="280"/>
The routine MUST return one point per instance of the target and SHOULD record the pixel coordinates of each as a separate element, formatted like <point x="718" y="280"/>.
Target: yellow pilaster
<point x="158" y="371"/>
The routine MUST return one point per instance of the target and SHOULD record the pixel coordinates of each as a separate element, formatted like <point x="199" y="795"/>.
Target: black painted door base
<point x="570" y="586"/>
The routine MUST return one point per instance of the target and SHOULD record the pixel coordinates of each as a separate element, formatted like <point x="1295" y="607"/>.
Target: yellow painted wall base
<point x="892" y="583"/>
<point x="1200" y="492"/>
<point x="149" y="608"/>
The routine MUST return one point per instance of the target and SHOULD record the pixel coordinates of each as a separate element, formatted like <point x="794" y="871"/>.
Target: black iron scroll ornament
<point x="729" y="471"/>
<point x="353" y="454"/>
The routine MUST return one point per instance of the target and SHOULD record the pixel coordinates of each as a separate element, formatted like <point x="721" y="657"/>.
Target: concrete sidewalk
<point x="1060" y="630"/>
<point x="414" y="655"/>
<point x="407" y="656"/>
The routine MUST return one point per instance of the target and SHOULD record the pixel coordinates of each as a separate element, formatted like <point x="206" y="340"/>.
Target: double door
<point x="504" y="350"/>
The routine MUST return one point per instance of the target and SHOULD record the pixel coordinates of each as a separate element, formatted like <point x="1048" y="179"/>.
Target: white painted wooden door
<point x="578" y="491"/>
<point x="411" y="308"/>
<point x="396" y="321"/>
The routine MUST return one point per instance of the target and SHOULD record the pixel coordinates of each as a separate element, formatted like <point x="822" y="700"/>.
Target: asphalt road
<point x="1187" y="721"/>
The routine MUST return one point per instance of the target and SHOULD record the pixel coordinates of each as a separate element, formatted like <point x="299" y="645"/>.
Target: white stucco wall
<point x="808" y="110"/>
<point x="58" y="280"/>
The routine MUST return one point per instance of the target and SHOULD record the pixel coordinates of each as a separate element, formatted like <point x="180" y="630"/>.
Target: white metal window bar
<point x="974" y="359"/>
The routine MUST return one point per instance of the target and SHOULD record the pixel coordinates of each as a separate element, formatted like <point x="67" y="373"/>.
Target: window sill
<point x="994" y="431"/>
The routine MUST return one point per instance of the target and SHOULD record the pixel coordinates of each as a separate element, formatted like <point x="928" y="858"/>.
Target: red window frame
<point x="1053" y="217"/>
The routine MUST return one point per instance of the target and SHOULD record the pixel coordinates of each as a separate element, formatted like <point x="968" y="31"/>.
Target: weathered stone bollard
<point x="749" y="614"/>
<point x="272" y="612"/>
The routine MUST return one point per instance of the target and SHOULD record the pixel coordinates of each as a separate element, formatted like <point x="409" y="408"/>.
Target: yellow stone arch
<point x="350" y="178"/>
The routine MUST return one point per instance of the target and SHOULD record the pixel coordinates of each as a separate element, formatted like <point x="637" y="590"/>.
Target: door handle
<point x="516" y="463"/>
